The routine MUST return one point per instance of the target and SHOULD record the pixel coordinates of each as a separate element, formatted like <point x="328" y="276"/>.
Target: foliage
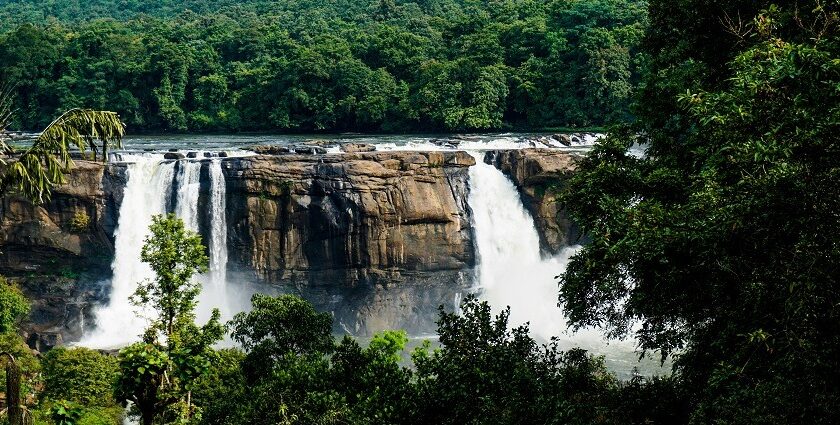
<point x="79" y="375"/>
<point x="406" y="65"/>
<point x="486" y="373"/>
<point x="722" y="241"/>
<point x="482" y="373"/>
<point x="80" y="222"/>
<point x="65" y="413"/>
<point x="36" y="170"/>
<point x="278" y="326"/>
<point x="13" y="306"/>
<point x="175" y="254"/>
<point x="158" y="374"/>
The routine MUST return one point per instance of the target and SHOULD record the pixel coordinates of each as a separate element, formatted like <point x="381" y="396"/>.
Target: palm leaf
<point x="5" y="118"/>
<point x="45" y="164"/>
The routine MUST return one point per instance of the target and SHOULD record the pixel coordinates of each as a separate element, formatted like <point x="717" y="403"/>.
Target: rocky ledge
<point x="540" y="175"/>
<point x="380" y="239"/>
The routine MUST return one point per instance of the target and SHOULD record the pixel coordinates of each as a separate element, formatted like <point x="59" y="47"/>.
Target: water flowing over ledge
<point x="379" y="239"/>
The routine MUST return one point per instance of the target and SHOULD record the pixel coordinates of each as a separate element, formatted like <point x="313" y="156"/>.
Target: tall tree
<point x="157" y="375"/>
<point x="722" y="240"/>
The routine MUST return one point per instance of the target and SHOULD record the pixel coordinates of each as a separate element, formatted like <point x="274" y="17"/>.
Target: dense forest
<point x="368" y="65"/>
<point x="719" y="248"/>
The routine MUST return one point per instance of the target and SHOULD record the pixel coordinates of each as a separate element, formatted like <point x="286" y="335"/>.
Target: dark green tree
<point x="722" y="241"/>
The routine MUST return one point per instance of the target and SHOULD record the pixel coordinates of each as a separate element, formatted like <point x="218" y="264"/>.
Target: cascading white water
<point x="149" y="183"/>
<point x="144" y="195"/>
<point x="511" y="270"/>
<point x="186" y="202"/>
<point x="218" y="225"/>
<point x="214" y="292"/>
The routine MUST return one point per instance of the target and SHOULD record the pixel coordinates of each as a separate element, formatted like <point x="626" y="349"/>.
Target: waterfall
<point x="218" y="225"/>
<point x="214" y="292"/>
<point x="145" y="194"/>
<point x="188" y="184"/>
<point x="511" y="271"/>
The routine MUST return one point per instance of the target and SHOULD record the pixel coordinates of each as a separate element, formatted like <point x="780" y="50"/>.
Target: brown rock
<point x="357" y="147"/>
<point x="540" y="175"/>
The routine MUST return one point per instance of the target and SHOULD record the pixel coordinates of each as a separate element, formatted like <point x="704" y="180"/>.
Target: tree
<point x="286" y="367"/>
<point x="278" y="326"/>
<point x="157" y="375"/>
<point x="486" y="373"/>
<point x="44" y="165"/>
<point x="722" y="241"/>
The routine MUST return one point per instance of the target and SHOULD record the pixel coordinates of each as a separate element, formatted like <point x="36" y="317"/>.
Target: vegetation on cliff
<point x="44" y="164"/>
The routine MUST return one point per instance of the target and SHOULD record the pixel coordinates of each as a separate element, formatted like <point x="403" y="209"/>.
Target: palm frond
<point x="6" y="111"/>
<point x="45" y="164"/>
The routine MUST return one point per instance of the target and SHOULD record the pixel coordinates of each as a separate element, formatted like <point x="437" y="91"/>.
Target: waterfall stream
<point x="188" y="185"/>
<point x="145" y="195"/>
<point x="511" y="270"/>
<point x="218" y="225"/>
<point x="150" y="183"/>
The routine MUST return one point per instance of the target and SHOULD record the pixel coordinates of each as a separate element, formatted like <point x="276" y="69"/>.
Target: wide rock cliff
<point x="540" y="175"/>
<point x="380" y="239"/>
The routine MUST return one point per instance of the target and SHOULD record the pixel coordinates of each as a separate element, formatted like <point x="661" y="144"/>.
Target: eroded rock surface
<point x="59" y="250"/>
<point x="381" y="239"/>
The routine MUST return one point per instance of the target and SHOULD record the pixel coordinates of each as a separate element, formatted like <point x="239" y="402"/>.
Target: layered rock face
<point x="380" y="239"/>
<point x="59" y="250"/>
<point x="540" y="175"/>
<point x="75" y="226"/>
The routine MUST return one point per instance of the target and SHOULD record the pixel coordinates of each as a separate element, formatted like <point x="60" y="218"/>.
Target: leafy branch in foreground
<point x="44" y="164"/>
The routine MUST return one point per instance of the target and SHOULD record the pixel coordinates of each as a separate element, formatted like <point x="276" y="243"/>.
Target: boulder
<point x="309" y="150"/>
<point x="564" y="139"/>
<point x="173" y="155"/>
<point x="269" y="149"/>
<point x="320" y="143"/>
<point x="357" y="147"/>
<point x="192" y="154"/>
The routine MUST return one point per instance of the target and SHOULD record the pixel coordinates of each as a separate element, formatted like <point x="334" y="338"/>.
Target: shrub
<point x="80" y="222"/>
<point x="13" y="306"/>
<point x="79" y="375"/>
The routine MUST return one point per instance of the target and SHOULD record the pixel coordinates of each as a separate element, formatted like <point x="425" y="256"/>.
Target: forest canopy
<point x="368" y="65"/>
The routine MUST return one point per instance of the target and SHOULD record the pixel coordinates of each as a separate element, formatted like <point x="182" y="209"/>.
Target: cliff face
<point x="368" y="218"/>
<point x="75" y="226"/>
<point x="380" y="239"/>
<point x="540" y="175"/>
<point x="59" y="250"/>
